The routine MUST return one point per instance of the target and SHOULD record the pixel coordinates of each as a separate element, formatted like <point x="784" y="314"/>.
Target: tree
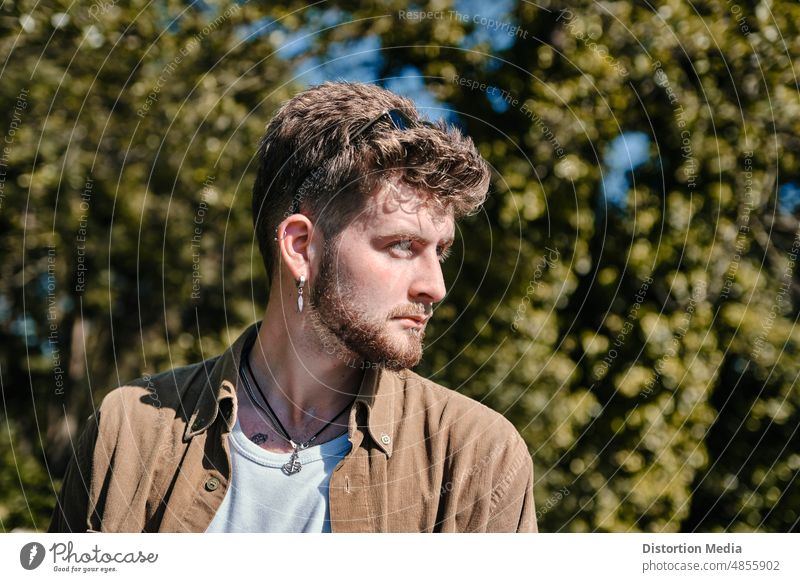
<point x="628" y="296"/>
<point x="126" y="208"/>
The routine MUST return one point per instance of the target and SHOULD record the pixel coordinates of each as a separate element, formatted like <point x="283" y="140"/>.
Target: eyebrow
<point x="411" y="235"/>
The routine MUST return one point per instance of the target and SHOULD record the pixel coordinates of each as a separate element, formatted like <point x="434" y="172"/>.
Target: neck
<point x="302" y="383"/>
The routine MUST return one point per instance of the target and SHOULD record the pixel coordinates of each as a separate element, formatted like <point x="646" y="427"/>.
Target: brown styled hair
<point x="306" y="157"/>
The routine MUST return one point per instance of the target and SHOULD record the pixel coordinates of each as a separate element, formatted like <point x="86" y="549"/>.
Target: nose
<point x="428" y="283"/>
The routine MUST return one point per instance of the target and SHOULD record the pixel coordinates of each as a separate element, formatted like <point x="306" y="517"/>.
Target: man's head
<point x="364" y="219"/>
<point x="375" y="287"/>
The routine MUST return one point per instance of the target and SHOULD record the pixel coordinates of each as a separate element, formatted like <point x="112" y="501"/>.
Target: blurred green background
<point x="628" y="297"/>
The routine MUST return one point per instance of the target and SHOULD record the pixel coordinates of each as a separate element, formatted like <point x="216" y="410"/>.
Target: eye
<point x="403" y="246"/>
<point x="444" y="253"/>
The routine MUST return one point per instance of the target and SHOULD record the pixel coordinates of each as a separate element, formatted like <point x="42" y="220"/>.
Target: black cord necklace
<point x="294" y="465"/>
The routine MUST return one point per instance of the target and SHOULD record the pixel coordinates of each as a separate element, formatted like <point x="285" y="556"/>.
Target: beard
<point x="344" y="328"/>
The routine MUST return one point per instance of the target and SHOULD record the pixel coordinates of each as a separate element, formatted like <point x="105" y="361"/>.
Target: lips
<point x="418" y="319"/>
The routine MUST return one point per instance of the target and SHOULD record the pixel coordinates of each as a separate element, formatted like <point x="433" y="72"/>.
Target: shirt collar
<point x="218" y="394"/>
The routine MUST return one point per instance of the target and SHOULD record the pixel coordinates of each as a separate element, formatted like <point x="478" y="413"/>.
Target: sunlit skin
<point x="386" y="264"/>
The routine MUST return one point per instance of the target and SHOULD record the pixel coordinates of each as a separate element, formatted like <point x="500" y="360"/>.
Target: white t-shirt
<point x="262" y="498"/>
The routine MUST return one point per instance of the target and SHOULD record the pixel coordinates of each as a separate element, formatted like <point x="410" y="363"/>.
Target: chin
<point x="405" y="356"/>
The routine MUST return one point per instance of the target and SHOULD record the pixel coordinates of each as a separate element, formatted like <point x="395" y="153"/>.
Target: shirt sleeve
<point x="512" y="507"/>
<point x="70" y="514"/>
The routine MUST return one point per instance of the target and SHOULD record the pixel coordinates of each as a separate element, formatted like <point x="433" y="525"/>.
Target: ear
<point x="296" y="245"/>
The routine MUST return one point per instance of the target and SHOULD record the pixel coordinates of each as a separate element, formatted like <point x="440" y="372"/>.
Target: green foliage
<point x="647" y="353"/>
<point x="677" y="410"/>
<point x="125" y="211"/>
<point x="26" y="491"/>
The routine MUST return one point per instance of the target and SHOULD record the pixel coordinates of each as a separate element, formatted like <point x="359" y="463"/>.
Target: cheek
<point x="381" y="280"/>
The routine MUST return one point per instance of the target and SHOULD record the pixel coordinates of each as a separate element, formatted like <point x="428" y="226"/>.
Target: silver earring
<point x="300" y="283"/>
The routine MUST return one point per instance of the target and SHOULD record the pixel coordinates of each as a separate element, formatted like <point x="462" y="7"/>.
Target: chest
<point x="261" y="431"/>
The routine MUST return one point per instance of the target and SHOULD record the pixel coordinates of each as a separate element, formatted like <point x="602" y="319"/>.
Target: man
<point x="312" y="419"/>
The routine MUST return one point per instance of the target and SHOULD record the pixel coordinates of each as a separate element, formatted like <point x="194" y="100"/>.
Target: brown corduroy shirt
<point x="155" y="457"/>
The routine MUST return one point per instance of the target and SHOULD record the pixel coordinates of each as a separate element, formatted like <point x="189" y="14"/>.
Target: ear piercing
<point x="300" y="282"/>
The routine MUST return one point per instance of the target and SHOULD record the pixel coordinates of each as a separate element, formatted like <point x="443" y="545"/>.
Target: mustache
<point x="412" y="310"/>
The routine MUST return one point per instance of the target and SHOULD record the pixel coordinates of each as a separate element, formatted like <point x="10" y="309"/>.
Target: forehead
<point x="395" y="205"/>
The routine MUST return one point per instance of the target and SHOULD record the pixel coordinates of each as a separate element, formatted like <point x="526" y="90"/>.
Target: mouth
<point x="415" y="320"/>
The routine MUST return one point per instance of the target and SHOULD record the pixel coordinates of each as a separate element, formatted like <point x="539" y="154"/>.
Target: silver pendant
<point x="294" y="465"/>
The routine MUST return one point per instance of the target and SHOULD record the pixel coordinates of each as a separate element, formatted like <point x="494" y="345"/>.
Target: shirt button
<point x="385" y="438"/>
<point x="212" y="484"/>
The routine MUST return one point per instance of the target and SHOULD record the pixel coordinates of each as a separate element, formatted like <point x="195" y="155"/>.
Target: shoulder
<point x="462" y="418"/>
<point x="481" y="451"/>
<point x="174" y="391"/>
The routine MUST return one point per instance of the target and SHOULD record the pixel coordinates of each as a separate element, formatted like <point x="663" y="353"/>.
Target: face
<point x="374" y="290"/>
